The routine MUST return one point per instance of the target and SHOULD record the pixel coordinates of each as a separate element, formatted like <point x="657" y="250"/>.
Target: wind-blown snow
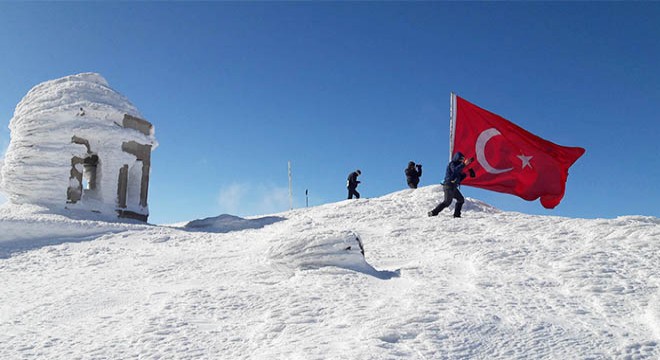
<point x="38" y="160"/>
<point x="226" y="223"/>
<point x="491" y="285"/>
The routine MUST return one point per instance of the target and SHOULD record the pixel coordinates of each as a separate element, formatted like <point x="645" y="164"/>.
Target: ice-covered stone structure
<point x="77" y="144"/>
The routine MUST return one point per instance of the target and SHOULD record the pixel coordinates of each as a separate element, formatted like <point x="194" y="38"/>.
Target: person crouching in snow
<point x="413" y="173"/>
<point x="453" y="177"/>
<point x="352" y="183"/>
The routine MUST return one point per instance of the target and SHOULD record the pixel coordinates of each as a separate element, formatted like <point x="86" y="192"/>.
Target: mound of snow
<point x="227" y="223"/>
<point x="315" y="249"/>
<point x="306" y="246"/>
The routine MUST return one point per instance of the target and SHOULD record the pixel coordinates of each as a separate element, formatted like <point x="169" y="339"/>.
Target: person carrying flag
<point x="453" y="177"/>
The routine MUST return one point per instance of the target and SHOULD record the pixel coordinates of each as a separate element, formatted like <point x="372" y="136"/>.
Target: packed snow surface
<point x="491" y="285"/>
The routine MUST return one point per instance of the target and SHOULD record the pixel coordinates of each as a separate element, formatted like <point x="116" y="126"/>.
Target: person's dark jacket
<point x="352" y="180"/>
<point x="454" y="174"/>
<point x="413" y="173"/>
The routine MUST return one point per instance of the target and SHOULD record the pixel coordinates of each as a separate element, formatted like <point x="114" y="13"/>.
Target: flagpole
<point x="452" y="123"/>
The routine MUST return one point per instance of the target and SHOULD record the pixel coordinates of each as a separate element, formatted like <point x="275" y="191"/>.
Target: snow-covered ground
<point x="491" y="285"/>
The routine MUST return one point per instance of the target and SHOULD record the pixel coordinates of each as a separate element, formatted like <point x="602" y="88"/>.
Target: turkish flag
<point x="508" y="158"/>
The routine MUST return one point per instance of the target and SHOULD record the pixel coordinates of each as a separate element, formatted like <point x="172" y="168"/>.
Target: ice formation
<point x="77" y="144"/>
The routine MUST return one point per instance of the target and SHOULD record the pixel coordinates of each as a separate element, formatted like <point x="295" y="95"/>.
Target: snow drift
<point x="227" y="223"/>
<point x="314" y="249"/>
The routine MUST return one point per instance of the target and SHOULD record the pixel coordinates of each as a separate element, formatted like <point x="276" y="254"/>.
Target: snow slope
<point x="491" y="285"/>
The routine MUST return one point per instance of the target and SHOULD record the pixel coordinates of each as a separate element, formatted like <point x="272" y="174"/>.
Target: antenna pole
<point x="290" y="188"/>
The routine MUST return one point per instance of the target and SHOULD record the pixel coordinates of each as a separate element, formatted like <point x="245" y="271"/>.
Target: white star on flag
<point x="525" y="160"/>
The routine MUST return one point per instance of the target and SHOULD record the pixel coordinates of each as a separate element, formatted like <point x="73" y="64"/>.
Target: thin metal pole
<point x="290" y="188"/>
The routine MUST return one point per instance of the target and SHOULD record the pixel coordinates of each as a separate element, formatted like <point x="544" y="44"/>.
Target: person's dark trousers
<point x="412" y="185"/>
<point x="351" y="192"/>
<point x="451" y="193"/>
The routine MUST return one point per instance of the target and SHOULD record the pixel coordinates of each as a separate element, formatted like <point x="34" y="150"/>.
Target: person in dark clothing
<point x="453" y="177"/>
<point x="352" y="183"/>
<point x="413" y="173"/>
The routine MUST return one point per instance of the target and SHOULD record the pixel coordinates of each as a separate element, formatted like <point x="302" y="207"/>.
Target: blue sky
<point x="235" y="90"/>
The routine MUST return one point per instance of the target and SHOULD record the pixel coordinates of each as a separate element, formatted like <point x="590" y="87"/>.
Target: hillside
<point x="491" y="285"/>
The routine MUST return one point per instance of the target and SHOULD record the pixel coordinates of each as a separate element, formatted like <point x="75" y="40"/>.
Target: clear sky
<point x="235" y="90"/>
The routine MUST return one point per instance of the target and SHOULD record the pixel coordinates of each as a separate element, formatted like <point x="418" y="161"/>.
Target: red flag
<point x="508" y="158"/>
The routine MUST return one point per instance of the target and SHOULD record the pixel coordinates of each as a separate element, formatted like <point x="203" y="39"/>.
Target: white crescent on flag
<point x="480" y="150"/>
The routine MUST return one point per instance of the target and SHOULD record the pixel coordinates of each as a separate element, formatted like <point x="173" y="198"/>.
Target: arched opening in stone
<point x="90" y="177"/>
<point x="90" y="164"/>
